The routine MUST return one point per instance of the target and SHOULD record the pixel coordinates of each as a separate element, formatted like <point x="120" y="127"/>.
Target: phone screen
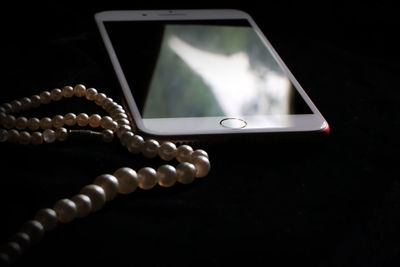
<point x="178" y="69"/>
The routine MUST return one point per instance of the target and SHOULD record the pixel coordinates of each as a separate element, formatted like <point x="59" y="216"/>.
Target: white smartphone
<point x="203" y="73"/>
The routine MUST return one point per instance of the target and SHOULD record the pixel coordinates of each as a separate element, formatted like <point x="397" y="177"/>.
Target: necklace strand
<point x="192" y="163"/>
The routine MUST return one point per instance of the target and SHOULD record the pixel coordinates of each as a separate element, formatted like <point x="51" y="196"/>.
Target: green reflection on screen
<point x="206" y="71"/>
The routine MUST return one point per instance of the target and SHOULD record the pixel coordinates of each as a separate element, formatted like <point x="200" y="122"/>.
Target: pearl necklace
<point x="92" y="197"/>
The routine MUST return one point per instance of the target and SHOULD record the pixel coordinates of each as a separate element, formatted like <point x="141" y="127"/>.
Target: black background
<point x="329" y="203"/>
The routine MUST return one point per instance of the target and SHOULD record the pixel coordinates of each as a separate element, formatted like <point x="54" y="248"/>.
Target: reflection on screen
<point x="208" y="70"/>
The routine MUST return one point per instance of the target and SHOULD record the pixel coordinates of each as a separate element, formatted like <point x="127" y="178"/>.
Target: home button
<point x="233" y="123"/>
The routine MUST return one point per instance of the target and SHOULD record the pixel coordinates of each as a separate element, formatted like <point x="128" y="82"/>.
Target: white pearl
<point x="10" y="252"/>
<point x="21" y="123"/>
<point x="58" y="121"/>
<point x="48" y="218"/>
<point x="36" y="138"/>
<point x="33" y="124"/>
<point x="186" y="173"/>
<point x="127" y="180"/>
<point x="45" y="97"/>
<point x="136" y="143"/>
<point x="24" y="138"/>
<point x="56" y="94"/>
<point x="107" y="135"/>
<point x="3" y="135"/>
<point x="167" y="151"/>
<point x="96" y="194"/>
<point x="35" y="101"/>
<point x="91" y="94"/>
<point x="82" y="119"/>
<point x="46" y="123"/>
<point x="83" y="205"/>
<point x="202" y="165"/>
<point x="125" y="138"/>
<point x="184" y="153"/>
<point x="147" y="178"/>
<point x="109" y="184"/>
<point x="22" y="239"/>
<point x="49" y="136"/>
<point x="69" y="119"/>
<point x="65" y="210"/>
<point x="67" y="91"/>
<point x="150" y="148"/>
<point x="34" y="230"/>
<point x="80" y="90"/>
<point x="199" y="152"/>
<point x="166" y="175"/>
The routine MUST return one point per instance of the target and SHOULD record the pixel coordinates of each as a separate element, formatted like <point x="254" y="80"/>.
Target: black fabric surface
<point x="303" y="203"/>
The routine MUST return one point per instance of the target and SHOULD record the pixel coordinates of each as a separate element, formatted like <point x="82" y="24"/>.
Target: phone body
<point x="188" y="74"/>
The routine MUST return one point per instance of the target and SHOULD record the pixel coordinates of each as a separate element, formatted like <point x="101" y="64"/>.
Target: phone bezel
<point x="206" y="125"/>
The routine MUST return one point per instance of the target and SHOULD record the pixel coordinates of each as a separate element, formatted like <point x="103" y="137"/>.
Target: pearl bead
<point x="94" y="120"/>
<point x="36" y="138"/>
<point x="127" y="180"/>
<point x="109" y="184"/>
<point x="16" y="106"/>
<point x="70" y="119"/>
<point x="21" y="123"/>
<point x="150" y="148"/>
<point x="167" y="151"/>
<point x="49" y="136"/>
<point x="9" y="121"/>
<point x="45" y="97"/>
<point x="80" y="90"/>
<point x="107" y="135"/>
<point x="46" y="123"/>
<point x="147" y="178"/>
<point x="83" y="205"/>
<point x="13" y="136"/>
<point x="22" y="239"/>
<point x="202" y="165"/>
<point x="3" y="117"/>
<point x="12" y="250"/>
<point x="100" y="99"/>
<point x="58" y="121"/>
<point x="123" y="122"/>
<point x="121" y="129"/>
<point x="118" y="116"/>
<point x="136" y="144"/>
<point x="61" y="134"/>
<point x="107" y="122"/>
<point x="91" y="94"/>
<point x="67" y="91"/>
<point x="34" y="230"/>
<point x="35" y="101"/>
<point x="126" y="138"/>
<point x="48" y="218"/>
<point x="65" y="210"/>
<point x="96" y="194"/>
<point x="82" y="119"/>
<point x="56" y="94"/>
<point x="199" y="152"/>
<point x="24" y="138"/>
<point x="33" y="124"/>
<point x="3" y="135"/>
<point x="7" y="107"/>
<point x="166" y="175"/>
<point x="186" y="173"/>
<point x="107" y="103"/>
<point x="183" y="153"/>
<point x="26" y="103"/>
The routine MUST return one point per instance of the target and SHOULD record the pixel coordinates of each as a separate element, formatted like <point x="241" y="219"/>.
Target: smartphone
<point x="197" y="73"/>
